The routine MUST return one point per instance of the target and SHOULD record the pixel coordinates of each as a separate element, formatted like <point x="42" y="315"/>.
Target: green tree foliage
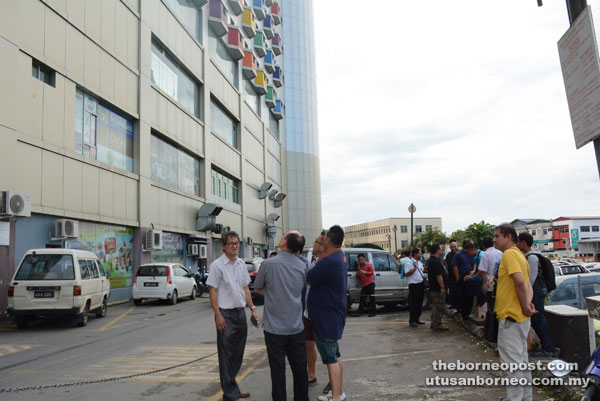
<point x="425" y="239"/>
<point x="477" y="231"/>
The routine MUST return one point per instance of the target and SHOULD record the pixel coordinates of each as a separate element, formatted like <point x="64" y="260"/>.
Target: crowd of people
<point x="304" y="312"/>
<point x="305" y="303"/>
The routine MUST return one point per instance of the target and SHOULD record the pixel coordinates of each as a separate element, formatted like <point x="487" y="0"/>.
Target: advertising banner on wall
<point x="114" y="247"/>
<point x="172" y="249"/>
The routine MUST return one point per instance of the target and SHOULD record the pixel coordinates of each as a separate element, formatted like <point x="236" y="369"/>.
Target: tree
<point x="429" y="237"/>
<point x="478" y="231"/>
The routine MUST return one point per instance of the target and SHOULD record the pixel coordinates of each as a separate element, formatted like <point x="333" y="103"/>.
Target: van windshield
<point x="152" y="271"/>
<point x="46" y="267"/>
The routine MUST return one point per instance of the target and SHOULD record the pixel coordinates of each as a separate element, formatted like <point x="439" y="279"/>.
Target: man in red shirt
<point x="365" y="274"/>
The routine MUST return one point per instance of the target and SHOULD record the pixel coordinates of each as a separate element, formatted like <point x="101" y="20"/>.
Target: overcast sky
<point x="457" y="106"/>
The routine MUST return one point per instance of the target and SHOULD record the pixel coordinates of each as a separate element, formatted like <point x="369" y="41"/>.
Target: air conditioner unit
<point x="203" y="254"/>
<point x="218" y="228"/>
<point x="15" y="204"/>
<point x="193" y="249"/>
<point x="154" y="240"/>
<point x="64" y="228"/>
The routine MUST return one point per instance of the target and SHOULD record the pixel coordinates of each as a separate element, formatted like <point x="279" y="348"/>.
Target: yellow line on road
<point x="108" y="325"/>
<point x="218" y="395"/>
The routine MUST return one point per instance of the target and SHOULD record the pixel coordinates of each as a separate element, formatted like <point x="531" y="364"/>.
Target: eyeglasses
<point x="233" y="243"/>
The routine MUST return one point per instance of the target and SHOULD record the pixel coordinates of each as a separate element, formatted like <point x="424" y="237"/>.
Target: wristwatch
<point x="253" y="307"/>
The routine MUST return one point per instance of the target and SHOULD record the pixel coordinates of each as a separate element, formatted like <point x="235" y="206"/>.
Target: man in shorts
<point x="327" y="308"/>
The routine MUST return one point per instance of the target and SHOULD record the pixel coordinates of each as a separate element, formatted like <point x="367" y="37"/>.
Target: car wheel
<point x="101" y="311"/>
<point x="22" y="323"/>
<point x="426" y="300"/>
<point x="173" y="299"/>
<point x="193" y="296"/>
<point x="83" y="317"/>
<point x="137" y="302"/>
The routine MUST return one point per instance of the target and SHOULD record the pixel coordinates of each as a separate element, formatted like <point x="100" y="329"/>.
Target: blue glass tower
<point x="301" y="122"/>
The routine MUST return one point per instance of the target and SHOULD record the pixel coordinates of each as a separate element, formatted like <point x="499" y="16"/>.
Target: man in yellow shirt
<point x="513" y="309"/>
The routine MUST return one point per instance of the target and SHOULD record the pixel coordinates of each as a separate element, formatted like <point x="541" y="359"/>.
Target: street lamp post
<point x="389" y="237"/>
<point x="412" y="209"/>
<point x="394" y="229"/>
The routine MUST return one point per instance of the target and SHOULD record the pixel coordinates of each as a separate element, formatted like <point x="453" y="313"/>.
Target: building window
<point x="169" y="75"/>
<point x="403" y="229"/>
<point x="595" y="229"/>
<point x="274" y="126"/>
<point x="224" y="187"/>
<point x="189" y="12"/>
<point x="404" y="243"/>
<point x="428" y="228"/>
<point x="545" y="231"/>
<point x="174" y="167"/>
<point x="533" y="232"/>
<point x="43" y="73"/>
<point x="102" y="133"/>
<point x="418" y="229"/>
<point x="220" y="56"/>
<point x="585" y="229"/>
<point x="562" y="230"/>
<point x="223" y="124"/>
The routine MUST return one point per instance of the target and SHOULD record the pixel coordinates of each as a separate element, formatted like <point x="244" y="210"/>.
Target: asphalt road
<point x="384" y="359"/>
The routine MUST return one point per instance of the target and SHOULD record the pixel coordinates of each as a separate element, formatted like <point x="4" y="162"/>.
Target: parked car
<point x="165" y="281"/>
<point x="592" y="267"/>
<point x="564" y="270"/>
<point x="567" y="289"/>
<point x="390" y="288"/>
<point x="253" y="265"/>
<point x="58" y="283"/>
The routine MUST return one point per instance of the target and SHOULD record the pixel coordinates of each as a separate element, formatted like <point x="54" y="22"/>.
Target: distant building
<point x="540" y="230"/>
<point x="381" y="232"/>
<point x="569" y="231"/>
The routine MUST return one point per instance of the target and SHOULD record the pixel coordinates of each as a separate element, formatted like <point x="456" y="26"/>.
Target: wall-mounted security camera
<point x="273" y="194"/>
<point x="279" y="199"/>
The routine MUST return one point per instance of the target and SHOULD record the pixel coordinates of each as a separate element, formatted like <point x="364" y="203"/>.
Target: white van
<point x="390" y="288"/>
<point x="58" y="282"/>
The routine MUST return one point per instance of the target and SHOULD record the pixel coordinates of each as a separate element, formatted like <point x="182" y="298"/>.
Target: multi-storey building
<point x="390" y="234"/>
<point x="568" y="231"/>
<point x="124" y="116"/>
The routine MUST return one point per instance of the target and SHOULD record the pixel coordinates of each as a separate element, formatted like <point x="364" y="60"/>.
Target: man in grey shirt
<point x="538" y="320"/>
<point x="281" y="280"/>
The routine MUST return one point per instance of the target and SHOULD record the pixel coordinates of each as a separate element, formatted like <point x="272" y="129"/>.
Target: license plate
<point x="150" y="284"/>
<point x="43" y="294"/>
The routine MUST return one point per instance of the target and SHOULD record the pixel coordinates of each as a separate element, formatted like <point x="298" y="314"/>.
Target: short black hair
<point x="507" y="229"/>
<point x="466" y="242"/>
<point x="229" y="234"/>
<point x="488" y="241"/>
<point x="415" y="251"/>
<point x="452" y="240"/>
<point x="469" y="245"/>
<point x="433" y="248"/>
<point x="405" y="253"/>
<point x="274" y="253"/>
<point x="361" y="255"/>
<point x="294" y="242"/>
<point x="336" y="235"/>
<point x="528" y="238"/>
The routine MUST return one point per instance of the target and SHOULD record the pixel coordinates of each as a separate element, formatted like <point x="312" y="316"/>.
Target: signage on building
<point x="578" y="54"/>
<point x="574" y="238"/>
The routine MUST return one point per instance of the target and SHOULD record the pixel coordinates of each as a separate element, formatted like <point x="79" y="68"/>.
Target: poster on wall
<point x="114" y="247"/>
<point x="172" y="249"/>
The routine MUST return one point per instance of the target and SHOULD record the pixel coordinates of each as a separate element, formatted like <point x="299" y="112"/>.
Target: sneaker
<point x="413" y="324"/>
<point x="420" y="322"/>
<point x="327" y="388"/>
<point x="540" y="354"/>
<point x="330" y="397"/>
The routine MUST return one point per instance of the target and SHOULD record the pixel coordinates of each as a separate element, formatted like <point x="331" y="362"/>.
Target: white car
<point x="166" y="281"/>
<point x="58" y="282"/>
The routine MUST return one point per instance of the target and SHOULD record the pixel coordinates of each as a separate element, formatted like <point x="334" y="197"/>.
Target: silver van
<point x="390" y="288"/>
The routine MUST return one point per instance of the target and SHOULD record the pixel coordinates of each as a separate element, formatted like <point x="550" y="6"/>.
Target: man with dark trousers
<point x="365" y="273"/>
<point x="229" y="295"/>
<point x="462" y="265"/>
<point x="438" y="281"/>
<point x="281" y="280"/>
<point x="416" y="287"/>
<point x="453" y="294"/>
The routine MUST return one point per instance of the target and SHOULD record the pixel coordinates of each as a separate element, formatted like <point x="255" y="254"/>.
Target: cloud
<point x="458" y="107"/>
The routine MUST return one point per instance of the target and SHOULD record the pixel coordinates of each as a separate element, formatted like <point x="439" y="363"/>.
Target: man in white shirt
<point x="416" y="288"/>
<point x="228" y="290"/>
<point x="488" y="268"/>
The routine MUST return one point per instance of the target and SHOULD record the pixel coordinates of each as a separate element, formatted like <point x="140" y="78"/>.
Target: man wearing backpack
<point x="540" y="289"/>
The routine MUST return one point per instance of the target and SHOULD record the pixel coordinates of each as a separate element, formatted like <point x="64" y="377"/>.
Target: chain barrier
<point x="108" y="379"/>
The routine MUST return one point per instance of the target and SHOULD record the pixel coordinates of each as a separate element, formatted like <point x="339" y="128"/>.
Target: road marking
<point x="218" y="395"/>
<point x="149" y="358"/>
<point x="7" y="349"/>
<point x="108" y="325"/>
